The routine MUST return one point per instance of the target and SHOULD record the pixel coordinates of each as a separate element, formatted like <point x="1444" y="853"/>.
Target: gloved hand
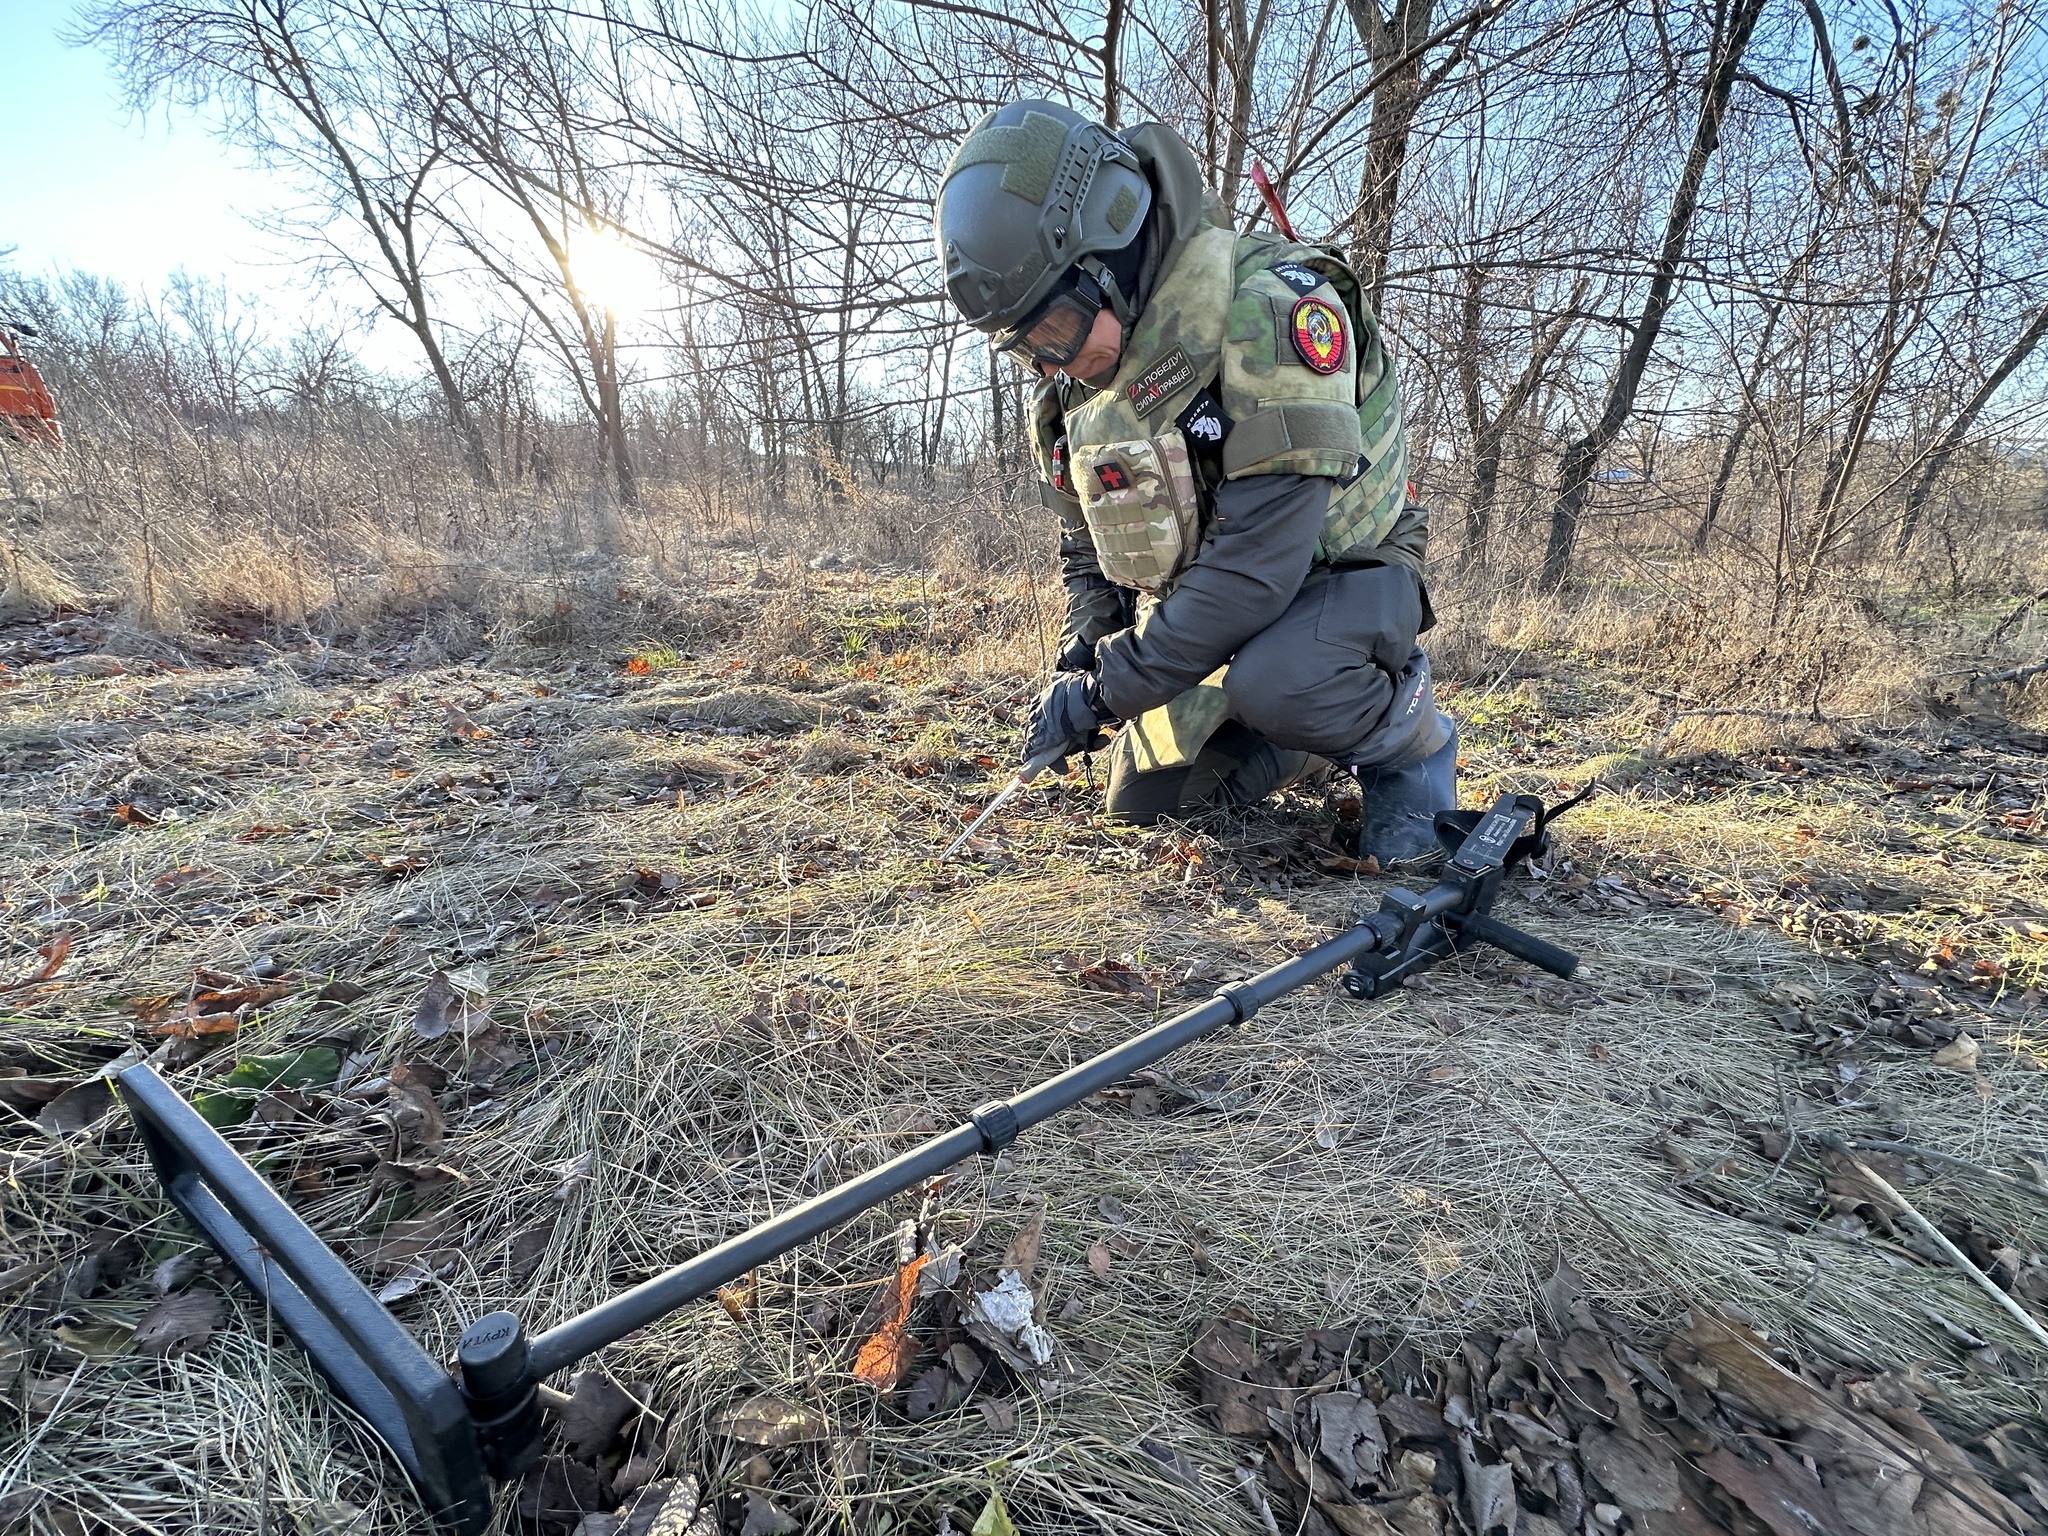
<point x="1067" y="718"/>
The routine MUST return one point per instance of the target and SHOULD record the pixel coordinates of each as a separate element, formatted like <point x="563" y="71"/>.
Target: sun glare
<point x="613" y="273"/>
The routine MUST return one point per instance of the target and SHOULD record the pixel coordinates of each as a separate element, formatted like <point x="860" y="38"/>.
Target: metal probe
<point x="1023" y="781"/>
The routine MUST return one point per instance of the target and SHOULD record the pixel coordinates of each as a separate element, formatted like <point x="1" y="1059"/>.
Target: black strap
<point x="1453" y="827"/>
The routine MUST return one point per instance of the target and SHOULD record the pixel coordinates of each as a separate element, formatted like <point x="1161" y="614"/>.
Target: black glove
<point x="1067" y="718"/>
<point x="1075" y="655"/>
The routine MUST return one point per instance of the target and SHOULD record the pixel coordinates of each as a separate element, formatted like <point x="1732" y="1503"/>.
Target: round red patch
<point x="1319" y="335"/>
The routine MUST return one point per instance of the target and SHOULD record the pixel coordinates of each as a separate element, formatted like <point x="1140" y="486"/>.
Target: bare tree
<point x="1733" y="23"/>
<point x="303" y="94"/>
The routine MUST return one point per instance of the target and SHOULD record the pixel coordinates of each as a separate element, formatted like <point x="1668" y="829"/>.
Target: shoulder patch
<point x="1319" y="335"/>
<point x="1161" y="379"/>
<point x="1301" y="279"/>
<point x="1203" y="421"/>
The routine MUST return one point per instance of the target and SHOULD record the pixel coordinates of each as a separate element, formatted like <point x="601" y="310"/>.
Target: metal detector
<point x="455" y="1434"/>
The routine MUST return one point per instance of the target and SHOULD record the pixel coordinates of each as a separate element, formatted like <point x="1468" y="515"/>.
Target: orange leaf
<point x="885" y="1357"/>
<point x="53" y="954"/>
<point x="639" y="666"/>
<point x="192" y="1026"/>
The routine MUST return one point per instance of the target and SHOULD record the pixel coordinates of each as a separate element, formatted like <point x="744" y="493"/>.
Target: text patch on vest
<point x="1142" y="509"/>
<point x="1159" y="380"/>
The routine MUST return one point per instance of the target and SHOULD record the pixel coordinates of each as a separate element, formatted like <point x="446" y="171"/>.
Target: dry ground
<point x="699" y="906"/>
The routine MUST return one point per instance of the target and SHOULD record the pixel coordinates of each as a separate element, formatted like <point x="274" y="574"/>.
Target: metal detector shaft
<point x="992" y="1127"/>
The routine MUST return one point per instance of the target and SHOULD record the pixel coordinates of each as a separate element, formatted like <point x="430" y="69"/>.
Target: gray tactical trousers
<point x="1338" y="677"/>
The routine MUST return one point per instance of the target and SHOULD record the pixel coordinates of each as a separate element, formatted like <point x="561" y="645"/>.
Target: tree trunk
<point x="611" y="408"/>
<point x="1916" y="499"/>
<point x="1394" y="107"/>
<point x="1735" y="23"/>
<point x="1112" y="29"/>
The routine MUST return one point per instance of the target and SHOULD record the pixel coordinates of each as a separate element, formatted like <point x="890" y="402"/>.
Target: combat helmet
<point x="1034" y="192"/>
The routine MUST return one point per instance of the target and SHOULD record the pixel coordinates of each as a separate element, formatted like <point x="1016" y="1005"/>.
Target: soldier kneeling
<point x="1219" y="430"/>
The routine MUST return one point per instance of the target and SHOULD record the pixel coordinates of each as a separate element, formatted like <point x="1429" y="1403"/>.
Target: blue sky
<point x="85" y="183"/>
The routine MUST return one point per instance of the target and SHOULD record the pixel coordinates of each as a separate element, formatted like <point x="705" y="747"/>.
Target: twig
<point x="1955" y="1255"/>
<point x="1998" y="633"/>
<point x="1931" y="1155"/>
<point x="2010" y="675"/>
<point x="1784" y="716"/>
<point x="1791" y="1130"/>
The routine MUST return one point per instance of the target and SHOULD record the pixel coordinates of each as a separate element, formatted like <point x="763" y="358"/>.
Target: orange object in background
<point x="27" y="409"/>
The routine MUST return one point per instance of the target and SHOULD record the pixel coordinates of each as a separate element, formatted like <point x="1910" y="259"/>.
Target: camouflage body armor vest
<point x="1255" y="356"/>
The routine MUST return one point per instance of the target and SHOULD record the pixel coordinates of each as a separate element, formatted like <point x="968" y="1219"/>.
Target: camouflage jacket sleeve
<point x="1264" y="542"/>
<point x="1095" y="606"/>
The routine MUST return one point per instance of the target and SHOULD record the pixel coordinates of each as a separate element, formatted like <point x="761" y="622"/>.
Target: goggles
<point x="1055" y="334"/>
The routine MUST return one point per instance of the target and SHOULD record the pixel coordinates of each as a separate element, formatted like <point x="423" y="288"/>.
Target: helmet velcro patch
<point x="1029" y="154"/>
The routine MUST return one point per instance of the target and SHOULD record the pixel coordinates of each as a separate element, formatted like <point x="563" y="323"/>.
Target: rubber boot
<point x="1398" y="805"/>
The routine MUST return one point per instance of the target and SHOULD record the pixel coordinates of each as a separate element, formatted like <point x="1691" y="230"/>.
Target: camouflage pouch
<point x="1173" y="735"/>
<point x="1142" y="506"/>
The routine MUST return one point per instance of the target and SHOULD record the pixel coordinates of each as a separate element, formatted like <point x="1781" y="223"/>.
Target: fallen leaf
<point x="457" y="1000"/>
<point x="1000" y="1413"/>
<point x="1120" y="978"/>
<point x="192" y="1027"/>
<point x="994" y="1519"/>
<point x="908" y="1120"/>
<point x="764" y="1519"/>
<point x="179" y="1325"/>
<point x="75" y="1109"/>
<point x="576" y="1172"/>
<point x="738" y="1300"/>
<point x="1339" y="864"/>
<point x="1111" y="1209"/>
<point x="177" y="1271"/>
<point x="529" y="1247"/>
<point x="404" y="1241"/>
<point x="1349" y="1436"/>
<point x="460" y="727"/>
<point x="597" y="1409"/>
<point x="928" y="1395"/>
<point x="1178" y="1465"/>
<point x="53" y="954"/>
<point x="636" y="1474"/>
<point x="887" y="1355"/>
<point x="771" y="1422"/>
<point x="1022" y="1254"/>
<point x="1098" y="1260"/>
<point x="25" y="1094"/>
<point x="418" y="1273"/>
<point x="184" y="875"/>
<point x="558" y="1491"/>
<point x="1959" y="1055"/>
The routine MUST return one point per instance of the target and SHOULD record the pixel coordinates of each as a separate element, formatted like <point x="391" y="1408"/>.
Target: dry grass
<point x="665" y="1070"/>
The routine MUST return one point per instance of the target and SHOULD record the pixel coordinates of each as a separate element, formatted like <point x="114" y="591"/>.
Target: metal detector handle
<point x="1523" y="946"/>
